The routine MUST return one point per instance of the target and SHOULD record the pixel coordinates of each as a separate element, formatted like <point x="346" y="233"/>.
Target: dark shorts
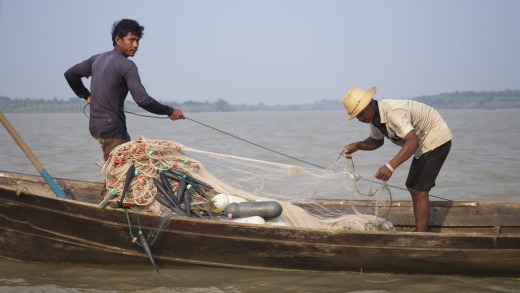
<point x="425" y="169"/>
<point x="108" y="144"/>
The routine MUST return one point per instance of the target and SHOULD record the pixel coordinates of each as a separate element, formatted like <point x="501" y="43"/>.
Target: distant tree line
<point x="27" y="105"/>
<point x="40" y="105"/>
<point x="454" y="100"/>
<point x="474" y="100"/>
<point x="77" y="105"/>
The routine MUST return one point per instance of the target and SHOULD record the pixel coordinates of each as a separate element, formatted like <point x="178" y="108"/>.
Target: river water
<point x="483" y="165"/>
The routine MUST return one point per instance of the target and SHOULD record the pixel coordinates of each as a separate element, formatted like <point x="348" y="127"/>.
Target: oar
<point x="31" y="157"/>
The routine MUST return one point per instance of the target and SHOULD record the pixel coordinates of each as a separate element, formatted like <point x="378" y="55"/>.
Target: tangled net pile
<point x="253" y="180"/>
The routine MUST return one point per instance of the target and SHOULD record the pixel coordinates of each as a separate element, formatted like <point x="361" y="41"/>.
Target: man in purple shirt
<point x="113" y="75"/>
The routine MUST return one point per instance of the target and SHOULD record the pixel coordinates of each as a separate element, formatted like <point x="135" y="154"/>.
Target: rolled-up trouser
<point x="108" y="144"/>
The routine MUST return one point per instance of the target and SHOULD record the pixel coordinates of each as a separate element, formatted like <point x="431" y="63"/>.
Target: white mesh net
<point x="293" y="187"/>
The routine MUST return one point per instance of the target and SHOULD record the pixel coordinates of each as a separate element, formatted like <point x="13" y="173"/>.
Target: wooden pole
<point x="30" y="155"/>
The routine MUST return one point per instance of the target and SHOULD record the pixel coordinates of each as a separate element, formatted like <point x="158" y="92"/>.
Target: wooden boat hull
<point x="36" y="226"/>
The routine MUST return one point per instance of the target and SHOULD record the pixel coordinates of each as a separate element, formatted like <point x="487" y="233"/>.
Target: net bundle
<point x="210" y="174"/>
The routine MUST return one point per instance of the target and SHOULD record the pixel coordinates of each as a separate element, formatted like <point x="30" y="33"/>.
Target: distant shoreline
<point x="507" y="99"/>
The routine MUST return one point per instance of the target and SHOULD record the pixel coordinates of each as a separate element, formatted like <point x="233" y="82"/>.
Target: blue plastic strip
<point x="52" y="184"/>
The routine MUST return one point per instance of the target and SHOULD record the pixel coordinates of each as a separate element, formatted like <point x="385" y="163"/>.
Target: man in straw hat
<point x="417" y="128"/>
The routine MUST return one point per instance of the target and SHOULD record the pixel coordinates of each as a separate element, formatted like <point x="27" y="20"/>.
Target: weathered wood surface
<point x="477" y="238"/>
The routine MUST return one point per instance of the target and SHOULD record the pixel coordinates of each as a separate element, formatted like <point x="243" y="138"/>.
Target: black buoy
<point x="187" y="199"/>
<point x="167" y="185"/>
<point x="128" y="179"/>
<point x="177" y="175"/>
<point x="163" y="191"/>
<point x="180" y="190"/>
<point x="165" y="202"/>
<point x="264" y="209"/>
<point x="146" y="247"/>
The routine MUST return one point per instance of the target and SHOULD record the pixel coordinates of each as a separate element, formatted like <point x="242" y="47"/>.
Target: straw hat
<point x="356" y="100"/>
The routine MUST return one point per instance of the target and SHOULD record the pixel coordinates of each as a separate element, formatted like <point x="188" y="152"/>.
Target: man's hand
<point x="384" y="173"/>
<point x="411" y="142"/>
<point x="368" y="144"/>
<point x="349" y="149"/>
<point x="88" y="100"/>
<point x="176" y="115"/>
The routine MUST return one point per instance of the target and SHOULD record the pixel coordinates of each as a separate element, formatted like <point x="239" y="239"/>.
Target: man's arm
<point x="142" y="98"/>
<point x="411" y="142"/>
<point x="368" y="144"/>
<point x="74" y="75"/>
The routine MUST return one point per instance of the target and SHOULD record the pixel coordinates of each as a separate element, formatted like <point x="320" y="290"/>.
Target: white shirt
<point x="403" y="116"/>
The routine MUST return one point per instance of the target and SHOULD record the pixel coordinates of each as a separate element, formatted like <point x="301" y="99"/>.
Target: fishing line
<point x="271" y="150"/>
<point x="130" y="225"/>
<point x="357" y="177"/>
<point x="376" y="182"/>
<point x="226" y="133"/>
<point x="255" y="144"/>
<point x="159" y="229"/>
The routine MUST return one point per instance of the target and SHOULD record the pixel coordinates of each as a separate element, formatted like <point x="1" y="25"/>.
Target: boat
<point x="466" y="238"/>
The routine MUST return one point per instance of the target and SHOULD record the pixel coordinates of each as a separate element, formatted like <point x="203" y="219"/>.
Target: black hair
<point x="122" y="27"/>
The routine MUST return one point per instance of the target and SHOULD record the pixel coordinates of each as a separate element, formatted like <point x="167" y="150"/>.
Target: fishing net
<point x="208" y="176"/>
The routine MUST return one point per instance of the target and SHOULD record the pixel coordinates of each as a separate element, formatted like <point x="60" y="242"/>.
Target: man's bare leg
<point x="421" y="209"/>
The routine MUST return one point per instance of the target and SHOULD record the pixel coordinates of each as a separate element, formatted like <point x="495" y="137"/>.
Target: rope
<point x="376" y="182"/>
<point x="274" y="151"/>
<point x="255" y="144"/>
<point x="226" y="133"/>
<point x="130" y="225"/>
<point x="159" y="229"/>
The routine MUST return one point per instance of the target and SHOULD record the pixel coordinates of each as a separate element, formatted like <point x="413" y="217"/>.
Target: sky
<point x="268" y="51"/>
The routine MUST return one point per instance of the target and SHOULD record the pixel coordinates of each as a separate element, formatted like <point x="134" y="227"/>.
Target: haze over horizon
<point x="274" y="52"/>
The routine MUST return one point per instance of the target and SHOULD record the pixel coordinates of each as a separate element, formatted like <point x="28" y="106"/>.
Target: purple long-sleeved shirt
<point x="113" y="76"/>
